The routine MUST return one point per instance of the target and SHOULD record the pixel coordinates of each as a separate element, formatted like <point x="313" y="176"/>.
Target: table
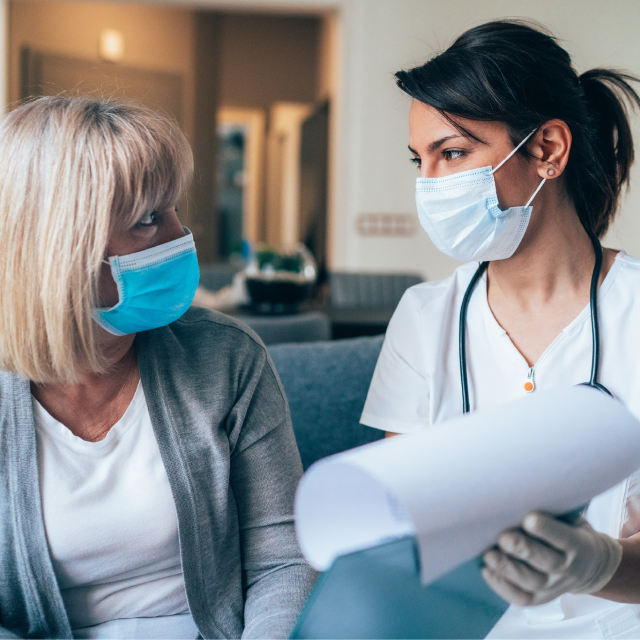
<point x="351" y="322"/>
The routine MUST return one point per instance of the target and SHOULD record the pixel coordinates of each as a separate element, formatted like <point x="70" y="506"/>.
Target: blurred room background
<point x="298" y="130"/>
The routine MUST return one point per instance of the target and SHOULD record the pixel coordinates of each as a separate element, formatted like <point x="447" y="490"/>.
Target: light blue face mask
<point x="155" y="287"/>
<point x="461" y="215"/>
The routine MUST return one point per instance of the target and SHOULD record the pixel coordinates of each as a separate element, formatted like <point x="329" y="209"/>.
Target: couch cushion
<point x="309" y="326"/>
<point x="326" y="384"/>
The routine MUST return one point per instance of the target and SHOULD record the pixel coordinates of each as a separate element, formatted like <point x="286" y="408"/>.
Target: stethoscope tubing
<point x="595" y="326"/>
<point x="463" y="335"/>
<point x="595" y="322"/>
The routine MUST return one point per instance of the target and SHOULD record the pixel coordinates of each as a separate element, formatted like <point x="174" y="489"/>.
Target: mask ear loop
<point x="535" y="193"/>
<point x="523" y="141"/>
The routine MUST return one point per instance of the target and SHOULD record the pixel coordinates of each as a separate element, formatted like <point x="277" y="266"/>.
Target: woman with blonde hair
<point x="148" y="464"/>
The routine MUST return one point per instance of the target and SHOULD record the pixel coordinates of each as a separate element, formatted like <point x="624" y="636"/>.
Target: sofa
<point x="326" y="384"/>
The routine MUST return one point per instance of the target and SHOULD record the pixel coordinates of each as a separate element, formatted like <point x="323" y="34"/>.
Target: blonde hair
<point x="70" y="168"/>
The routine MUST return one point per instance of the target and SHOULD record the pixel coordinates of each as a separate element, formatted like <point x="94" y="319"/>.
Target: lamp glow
<point x="111" y="46"/>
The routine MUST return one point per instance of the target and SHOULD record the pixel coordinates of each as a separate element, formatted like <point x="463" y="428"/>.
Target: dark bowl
<point x="278" y="292"/>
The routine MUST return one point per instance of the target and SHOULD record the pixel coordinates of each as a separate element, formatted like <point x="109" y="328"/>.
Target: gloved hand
<point x="546" y="558"/>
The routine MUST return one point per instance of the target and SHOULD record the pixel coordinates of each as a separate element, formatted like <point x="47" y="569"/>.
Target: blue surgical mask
<point x="461" y="215"/>
<point x="155" y="287"/>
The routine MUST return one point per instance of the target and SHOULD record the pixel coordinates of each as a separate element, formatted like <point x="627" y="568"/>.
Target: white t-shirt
<point x="417" y="384"/>
<point x="112" y="527"/>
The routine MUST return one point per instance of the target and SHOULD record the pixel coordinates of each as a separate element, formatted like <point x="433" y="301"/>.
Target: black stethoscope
<point x="595" y="330"/>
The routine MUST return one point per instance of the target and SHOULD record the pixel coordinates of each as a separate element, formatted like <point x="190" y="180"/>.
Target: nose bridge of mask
<point x="535" y="193"/>
<point x="154" y="254"/>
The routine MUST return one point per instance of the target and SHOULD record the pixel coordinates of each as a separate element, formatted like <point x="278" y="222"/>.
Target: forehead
<point x="428" y="125"/>
<point x="427" y="122"/>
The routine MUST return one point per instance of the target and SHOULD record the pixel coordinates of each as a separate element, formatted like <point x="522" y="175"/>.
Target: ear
<point x="550" y="146"/>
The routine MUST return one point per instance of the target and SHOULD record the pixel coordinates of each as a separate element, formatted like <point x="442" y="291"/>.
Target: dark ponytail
<point x="512" y="72"/>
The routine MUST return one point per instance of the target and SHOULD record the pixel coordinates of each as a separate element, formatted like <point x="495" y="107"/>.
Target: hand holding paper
<point x="547" y="558"/>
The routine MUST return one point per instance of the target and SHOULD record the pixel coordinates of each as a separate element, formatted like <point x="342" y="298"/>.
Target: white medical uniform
<point x="417" y="384"/>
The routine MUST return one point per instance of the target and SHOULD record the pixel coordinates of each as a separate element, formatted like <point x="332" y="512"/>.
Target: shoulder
<point x="203" y="325"/>
<point x="432" y="299"/>
<point x="205" y="341"/>
<point x="202" y="328"/>
<point x="427" y="312"/>
<point x="623" y="279"/>
<point x="629" y="266"/>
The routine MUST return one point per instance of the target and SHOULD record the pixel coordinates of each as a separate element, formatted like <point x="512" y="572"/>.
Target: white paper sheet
<point x="457" y="485"/>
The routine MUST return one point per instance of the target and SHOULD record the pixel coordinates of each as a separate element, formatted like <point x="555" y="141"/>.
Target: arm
<point x="398" y="398"/>
<point x="624" y="586"/>
<point x="265" y="470"/>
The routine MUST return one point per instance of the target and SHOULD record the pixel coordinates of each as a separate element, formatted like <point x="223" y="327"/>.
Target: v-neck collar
<point x="573" y="326"/>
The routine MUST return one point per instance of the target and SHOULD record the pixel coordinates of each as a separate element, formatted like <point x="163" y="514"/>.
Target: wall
<point x="329" y="61"/>
<point x="157" y="38"/>
<point x="202" y="215"/>
<point x="266" y="59"/>
<point x="4" y="56"/>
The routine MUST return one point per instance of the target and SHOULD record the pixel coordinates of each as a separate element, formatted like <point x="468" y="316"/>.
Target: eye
<point x="149" y="220"/>
<point x="416" y="161"/>
<point x="453" y="154"/>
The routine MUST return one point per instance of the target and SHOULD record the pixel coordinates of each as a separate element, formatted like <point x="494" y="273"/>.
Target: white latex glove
<point x="546" y="558"/>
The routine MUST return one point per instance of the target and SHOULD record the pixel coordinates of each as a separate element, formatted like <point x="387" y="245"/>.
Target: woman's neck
<point x="544" y="286"/>
<point x="92" y="406"/>
<point x="556" y="257"/>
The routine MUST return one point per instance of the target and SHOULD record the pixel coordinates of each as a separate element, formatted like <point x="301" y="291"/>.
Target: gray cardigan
<point x="222" y="424"/>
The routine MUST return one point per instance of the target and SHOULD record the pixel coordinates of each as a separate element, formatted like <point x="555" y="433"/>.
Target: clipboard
<point x="377" y="593"/>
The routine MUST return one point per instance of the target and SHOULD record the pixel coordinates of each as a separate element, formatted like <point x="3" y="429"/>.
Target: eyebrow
<point x="438" y="143"/>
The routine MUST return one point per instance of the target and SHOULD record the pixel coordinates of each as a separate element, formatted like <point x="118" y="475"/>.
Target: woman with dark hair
<point x="501" y="120"/>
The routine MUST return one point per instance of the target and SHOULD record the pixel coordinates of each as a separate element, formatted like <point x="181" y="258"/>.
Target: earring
<point x="551" y="172"/>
